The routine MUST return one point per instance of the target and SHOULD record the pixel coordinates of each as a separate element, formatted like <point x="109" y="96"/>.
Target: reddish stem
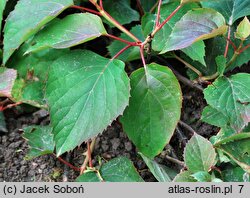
<point x="86" y="9"/>
<point x="9" y="106"/>
<point x="121" y="51"/>
<point x="244" y="48"/>
<point x="232" y="43"/>
<point x="142" y="56"/>
<point x="89" y="155"/>
<point x="227" y="45"/>
<point x="101" y="4"/>
<point x="158" y="14"/>
<point x="67" y="163"/>
<point x="168" y="18"/>
<point x="122" y="40"/>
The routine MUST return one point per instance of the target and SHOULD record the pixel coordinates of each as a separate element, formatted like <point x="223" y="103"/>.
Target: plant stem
<point x="10" y="106"/>
<point x="166" y="20"/>
<point x="186" y="126"/>
<point x="188" y="65"/>
<point x="154" y="7"/>
<point x="212" y="77"/>
<point x="244" y="48"/>
<point x="142" y="58"/>
<point x="176" y="161"/>
<point x="139" y="6"/>
<point x="86" y="9"/>
<point x="67" y="163"/>
<point x="86" y="160"/>
<point x="232" y="43"/>
<point x="157" y="22"/>
<point x="122" y="40"/>
<point x="228" y="38"/>
<point x="121" y="51"/>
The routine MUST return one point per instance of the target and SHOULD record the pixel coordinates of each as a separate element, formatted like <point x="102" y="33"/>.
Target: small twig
<point x="188" y="65"/>
<point x="181" y="78"/>
<point x="186" y="126"/>
<point x="228" y="38"/>
<point x="140" y="8"/>
<point x="182" y="138"/>
<point x="231" y="42"/>
<point x="121" y="51"/>
<point x="66" y="163"/>
<point x="122" y="40"/>
<point x="157" y="22"/>
<point x="89" y="154"/>
<point x="86" y="160"/>
<point x="176" y="161"/>
<point x="244" y="48"/>
<point x="86" y="9"/>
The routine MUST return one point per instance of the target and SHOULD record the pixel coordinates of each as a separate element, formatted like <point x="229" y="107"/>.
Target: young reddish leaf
<point x="198" y="24"/>
<point x="231" y="97"/>
<point x="154" y="109"/>
<point x="70" y="31"/>
<point x="243" y="29"/>
<point x="7" y="79"/>
<point x="26" y="20"/>
<point x="85" y="92"/>
<point x="199" y="154"/>
<point x="119" y="169"/>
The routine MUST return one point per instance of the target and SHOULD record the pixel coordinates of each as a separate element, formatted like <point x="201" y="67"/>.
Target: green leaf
<point x="196" y="51"/>
<point x="231" y="97"/>
<point x="148" y="23"/>
<point x="40" y="141"/>
<point x="214" y="117"/>
<point x="2" y="6"/>
<point x="221" y="63"/>
<point x="32" y="72"/>
<point x="184" y="176"/>
<point x="230" y="9"/>
<point x="199" y="154"/>
<point x="2" y="123"/>
<point x="223" y="133"/>
<point x="26" y="20"/>
<point x="154" y="109"/>
<point x="82" y="88"/>
<point x="198" y="24"/>
<point x="72" y="30"/>
<point x="234" y="174"/>
<point x="121" y="11"/>
<point x="157" y="170"/>
<point x="130" y="54"/>
<point x="237" y="148"/>
<point x="7" y="79"/>
<point x="116" y="170"/>
<point x="243" y="29"/>
<point x="202" y="176"/>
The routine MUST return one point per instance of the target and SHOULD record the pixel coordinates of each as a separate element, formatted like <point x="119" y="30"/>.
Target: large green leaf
<point x="7" y="80"/>
<point x="2" y="6"/>
<point x="199" y="154"/>
<point x="121" y="11"/>
<point x="198" y="24"/>
<point x="116" y="170"/>
<point x="72" y="30"/>
<point x="40" y="141"/>
<point x="231" y="97"/>
<point x="154" y="109"/>
<point x="238" y="149"/>
<point x="157" y="170"/>
<point x="230" y="9"/>
<point x="130" y="54"/>
<point x="27" y="18"/>
<point x="160" y="38"/>
<point x="85" y="92"/>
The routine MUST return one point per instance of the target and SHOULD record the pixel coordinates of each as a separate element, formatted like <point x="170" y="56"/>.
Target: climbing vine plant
<point x="46" y="63"/>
